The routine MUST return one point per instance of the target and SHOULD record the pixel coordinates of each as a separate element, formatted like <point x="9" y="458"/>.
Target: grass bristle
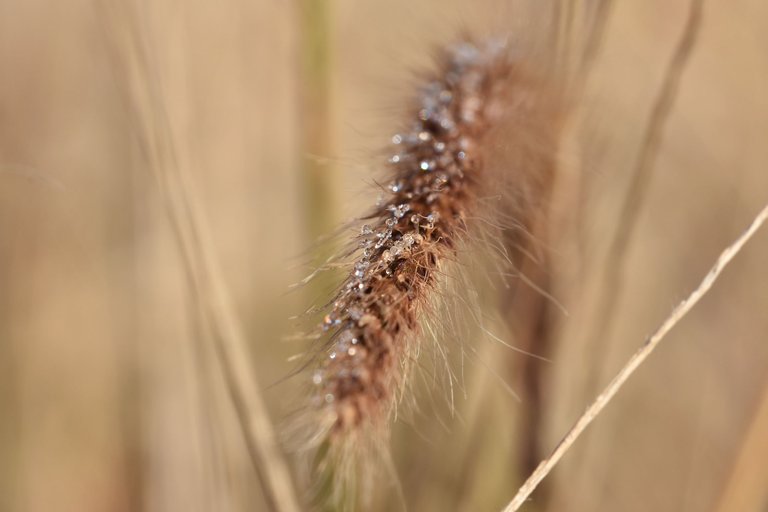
<point x="438" y="179"/>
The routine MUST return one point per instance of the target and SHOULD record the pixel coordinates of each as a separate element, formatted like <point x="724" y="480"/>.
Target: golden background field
<point x="110" y="401"/>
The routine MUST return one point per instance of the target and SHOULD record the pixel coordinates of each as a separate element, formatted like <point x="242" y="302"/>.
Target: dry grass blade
<point x="210" y="294"/>
<point x="634" y="362"/>
<point x="641" y="177"/>
<point x="747" y="485"/>
<point x="652" y="139"/>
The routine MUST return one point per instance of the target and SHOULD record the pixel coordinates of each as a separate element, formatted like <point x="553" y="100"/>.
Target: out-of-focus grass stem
<point x="318" y="175"/>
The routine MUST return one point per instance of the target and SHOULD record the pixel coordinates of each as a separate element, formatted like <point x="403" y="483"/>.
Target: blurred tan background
<point x="110" y="401"/>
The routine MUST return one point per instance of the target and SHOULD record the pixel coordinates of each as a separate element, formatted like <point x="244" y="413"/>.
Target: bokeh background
<point x="277" y="112"/>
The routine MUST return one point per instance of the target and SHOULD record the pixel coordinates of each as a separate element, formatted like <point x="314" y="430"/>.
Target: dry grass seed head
<point x="441" y="173"/>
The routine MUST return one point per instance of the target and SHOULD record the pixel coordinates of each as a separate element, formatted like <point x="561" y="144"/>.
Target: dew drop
<point x="400" y="210"/>
<point x="355" y="313"/>
<point x="328" y="322"/>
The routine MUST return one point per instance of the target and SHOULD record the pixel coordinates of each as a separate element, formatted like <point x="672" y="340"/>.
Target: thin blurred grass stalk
<point x="612" y="274"/>
<point x="318" y="175"/>
<point x="747" y="484"/>
<point x="637" y="359"/>
<point x="640" y="179"/>
<point x="202" y="270"/>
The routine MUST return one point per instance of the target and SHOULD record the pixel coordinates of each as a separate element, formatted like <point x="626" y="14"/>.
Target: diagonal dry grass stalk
<point x="634" y="362"/>
<point x="147" y="107"/>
